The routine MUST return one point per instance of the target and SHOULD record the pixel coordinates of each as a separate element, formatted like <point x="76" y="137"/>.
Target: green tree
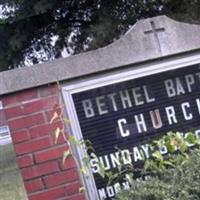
<point x="27" y="27"/>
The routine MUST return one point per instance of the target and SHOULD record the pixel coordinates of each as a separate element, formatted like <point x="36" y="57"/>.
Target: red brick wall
<point x="28" y="115"/>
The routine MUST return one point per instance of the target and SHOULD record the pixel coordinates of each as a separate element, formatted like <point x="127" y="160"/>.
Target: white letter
<point x="148" y="99"/>
<point x="106" y="165"/>
<point x="140" y="123"/>
<point x="197" y="133"/>
<point x="125" y="98"/>
<point x="179" y="87"/>
<point x="117" y="187"/>
<point x="101" y="105"/>
<point x="136" y="154"/>
<point x="145" y="148"/>
<point x="189" y="81"/>
<point x="87" y="106"/>
<point x="187" y="116"/>
<point x="94" y="165"/>
<point x="171" y="115"/>
<point x="126" y="156"/>
<point x="110" y="191"/>
<point x="115" y="159"/>
<point x="163" y="150"/>
<point x="126" y="185"/>
<point x="112" y="97"/>
<point x="198" y="75"/>
<point x="137" y="96"/>
<point x="198" y="104"/>
<point x="102" y="193"/>
<point x="169" y="86"/>
<point x="124" y="133"/>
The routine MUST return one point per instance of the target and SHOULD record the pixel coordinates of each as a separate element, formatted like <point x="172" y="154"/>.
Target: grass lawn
<point x="11" y="185"/>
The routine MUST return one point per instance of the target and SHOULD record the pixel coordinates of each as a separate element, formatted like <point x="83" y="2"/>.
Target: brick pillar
<point x="39" y="159"/>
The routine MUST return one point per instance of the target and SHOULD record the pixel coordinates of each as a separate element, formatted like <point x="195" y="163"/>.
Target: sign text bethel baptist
<point x="138" y="96"/>
<point x="127" y="114"/>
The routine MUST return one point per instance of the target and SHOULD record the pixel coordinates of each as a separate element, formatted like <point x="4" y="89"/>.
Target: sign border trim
<point x="111" y="78"/>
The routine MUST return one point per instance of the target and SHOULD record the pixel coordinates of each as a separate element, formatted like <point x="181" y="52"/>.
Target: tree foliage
<point x="36" y="31"/>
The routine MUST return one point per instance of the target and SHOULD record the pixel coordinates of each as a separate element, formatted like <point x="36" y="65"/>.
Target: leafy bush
<point x="175" y="176"/>
<point x="179" y="183"/>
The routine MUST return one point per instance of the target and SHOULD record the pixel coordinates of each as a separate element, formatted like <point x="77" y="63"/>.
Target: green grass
<point x="11" y="184"/>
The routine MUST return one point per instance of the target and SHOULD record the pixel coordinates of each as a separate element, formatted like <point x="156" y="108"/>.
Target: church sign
<point x="119" y="97"/>
<point x="127" y="110"/>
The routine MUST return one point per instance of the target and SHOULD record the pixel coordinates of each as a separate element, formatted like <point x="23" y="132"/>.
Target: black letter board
<point x="127" y="114"/>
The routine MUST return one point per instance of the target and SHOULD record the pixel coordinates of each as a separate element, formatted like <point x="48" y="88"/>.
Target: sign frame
<point x="108" y="78"/>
